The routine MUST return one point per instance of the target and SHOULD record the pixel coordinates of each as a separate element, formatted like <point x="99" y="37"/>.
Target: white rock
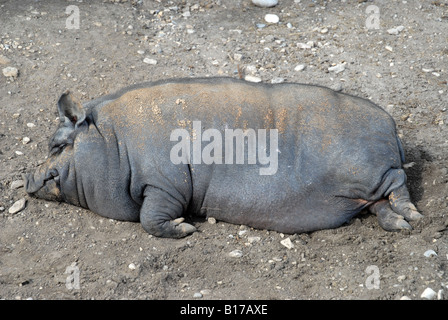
<point x="16" y="184"/>
<point x="303" y="45"/>
<point x="277" y="80"/>
<point x="429" y="294"/>
<point x="287" y="243"/>
<point x="271" y="18"/>
<point x="17" y="206"/>
<point x="393" y="31"/>
<point x="337" y="68"/>
<point x="150" y="61"/>
<point x="132" y="266"/>
<point x="265" y="3"/>
<point x="26" y="140"/>
<point x="429" y="253"/>
<point x="236" y="254"/>
<point x="405" y="298"/>
<point x="389" y="48"/>
<point x="4" y="60"/>
<point x="30" y="125"/>
<point x="211" y="220"/>
<point x="440" y="294"/>
<point x="10" y="72"/>
<point x="197" y="295"/>
<point x="252" y="78"/>
<point x="253" y="239"/>
<point x="324" y="30"/>
<point x="400" y="28"/>
<point x="300" y="67"/>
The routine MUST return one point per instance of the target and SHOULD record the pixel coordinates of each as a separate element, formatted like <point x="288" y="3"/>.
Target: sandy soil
<point x="47" y="247"/>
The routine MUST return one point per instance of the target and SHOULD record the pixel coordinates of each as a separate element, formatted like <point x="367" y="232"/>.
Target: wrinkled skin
<point x="337" y="155"/>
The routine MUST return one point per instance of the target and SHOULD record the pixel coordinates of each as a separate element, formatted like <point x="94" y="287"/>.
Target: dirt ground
<point x="52" y="250"/>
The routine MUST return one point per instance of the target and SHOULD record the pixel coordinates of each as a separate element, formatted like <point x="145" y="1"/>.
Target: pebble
<point x="17" y="206"/>
<point x="405" y="298"/>
<point x="300" y="67"/>
<point x="26" y="140"/>
<point x="429" y="253"/>
<point x="389" y="48"/>
<point x="301" y="45"/>
<point x="324" y="30"/>
<point x="10" y="72"/>
<point x="395" y="30"/>
<point x="253" y="239"/>
<point x="236" y="254"/>
<point x="211" y="220"/>
<point x="287" y="243"/>
<point x="30" y="125"/>
<point x="252" y="78"/>
<point x="337" y="68"/>
<point x="197" y="295"/>
<point x="277" y="80"/>
<point x="265" y="3"/>
<point x="150" y="61"/>
<point x="429" y="294"/>
<point x="4" y="60"/>
<point x="132" y="266"/>
<point x="271" y="18"/>
<point x="16" y="184"/>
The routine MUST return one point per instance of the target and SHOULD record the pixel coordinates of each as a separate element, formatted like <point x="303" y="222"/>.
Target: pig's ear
<point x="70" y="109"/>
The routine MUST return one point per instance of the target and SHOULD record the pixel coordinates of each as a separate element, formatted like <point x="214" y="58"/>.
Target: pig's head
<point x="53" y="180"/>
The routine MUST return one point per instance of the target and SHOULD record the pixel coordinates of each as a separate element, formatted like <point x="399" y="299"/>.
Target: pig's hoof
<point x="182" y="228"/>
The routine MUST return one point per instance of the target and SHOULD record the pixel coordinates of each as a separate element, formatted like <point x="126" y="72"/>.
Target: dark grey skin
<point x="338" y="155"/>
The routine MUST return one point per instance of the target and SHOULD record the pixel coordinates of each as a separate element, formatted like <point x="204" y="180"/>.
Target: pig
<point x="287" y="157"/>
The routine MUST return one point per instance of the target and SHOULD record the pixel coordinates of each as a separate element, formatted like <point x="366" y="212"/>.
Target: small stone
<point x="19" y="153"/>
<point x="205" y="292"/>
<point x="132" y="266"/>
<point x="300" y="67"/>
<point x="236" y="254"/>
<point x="26" y="140"/>
<point x="17" y="206"/>
<point x="393" y="31"/>
<point x="4" y="60"/>
<point x="265" y="3"/>
<point x="30" y="125"/>
<point x="150" y="61"/>
<point x="324" y="30"/>
<point x="429" y="253"/>
<point x="252" y="78"/>
<point x="389" y="48"/>
<point x="429" y="294"/>
<point x="16" y="184"/>
<point x="197" y="295"/>
<point x="237" y="57"/>
<point x="301" y="45"/>
<point x="337" y="68"/>
<point x="287" y="243"/>
<point x="427" y="70"/>
<point x="405" y="298"/>
<point x="253" y="239"/>
<point x="440" y="294"/>
<point x="211" y="220"/>
<point x="271" y="18"/>
<point x="278" y="80"/>
<point x="260" y="25"/>
<point x="10" y="72"/>
<point x="141" y="51"/>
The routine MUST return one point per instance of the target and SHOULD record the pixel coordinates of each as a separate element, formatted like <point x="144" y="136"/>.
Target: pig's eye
<point x="57" y="149"/>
